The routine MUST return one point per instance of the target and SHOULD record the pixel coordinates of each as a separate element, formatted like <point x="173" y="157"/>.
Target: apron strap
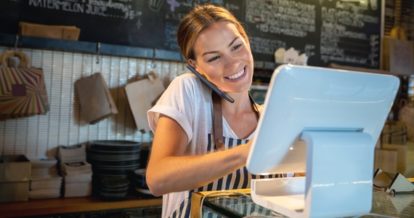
<point x="217" y="122"/>
<point x="254" y="107"/>
<point x="218" y="119"/>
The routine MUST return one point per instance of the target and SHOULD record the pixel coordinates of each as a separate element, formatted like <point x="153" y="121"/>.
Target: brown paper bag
<point x="95" y="101"/>
<point x="142" y="95"/>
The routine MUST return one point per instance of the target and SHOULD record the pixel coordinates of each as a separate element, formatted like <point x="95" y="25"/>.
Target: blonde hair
<point x="197" y="20"/>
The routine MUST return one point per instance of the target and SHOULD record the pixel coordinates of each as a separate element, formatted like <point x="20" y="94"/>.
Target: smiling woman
<point x="186" y="156"/>
<point x="225" y="57"/>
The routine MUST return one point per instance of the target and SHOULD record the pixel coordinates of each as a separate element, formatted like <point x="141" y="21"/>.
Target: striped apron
<point x="239" y="179"/>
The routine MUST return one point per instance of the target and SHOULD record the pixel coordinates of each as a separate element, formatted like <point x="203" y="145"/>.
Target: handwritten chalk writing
<point x="173" y="4"/>
<point x="58" y="5"/>
<point x="330" y="30"/>
<point x="374" y="51"/>
<point x="170" y="33"/>
<point x="326" y="31"/>
<point x="122" y="9"/>
<point x="349" y="18"/>
<point x="155" y="5"/>
<point x="232" y="7"/>
<point x="342" y="36"/>
<point x="281" y="17"/>
<point x="347" y="59"/>
<point x="265" y="46"/>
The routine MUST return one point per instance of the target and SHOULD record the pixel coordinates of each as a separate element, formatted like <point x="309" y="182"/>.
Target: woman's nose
<point x="230" y="61"/>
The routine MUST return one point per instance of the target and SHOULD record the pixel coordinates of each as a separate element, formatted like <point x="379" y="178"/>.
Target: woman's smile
<point x="237" y="76"/>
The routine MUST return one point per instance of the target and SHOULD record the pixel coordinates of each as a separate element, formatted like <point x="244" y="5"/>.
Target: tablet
<point x="339" y="116"/>
<point x="302" y="98"/>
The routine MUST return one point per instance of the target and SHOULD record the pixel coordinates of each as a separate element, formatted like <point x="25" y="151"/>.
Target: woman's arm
<point x="171" y="170"/>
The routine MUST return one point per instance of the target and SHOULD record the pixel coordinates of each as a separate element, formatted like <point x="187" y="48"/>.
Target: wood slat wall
<point x="39" y="136"/>
<point x="406" y="14"/>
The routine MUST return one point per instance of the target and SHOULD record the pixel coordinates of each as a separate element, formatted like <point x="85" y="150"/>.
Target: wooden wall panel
<point x="39" y="136"/>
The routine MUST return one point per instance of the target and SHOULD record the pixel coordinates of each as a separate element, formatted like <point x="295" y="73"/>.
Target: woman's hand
<point x="171" y="169"/>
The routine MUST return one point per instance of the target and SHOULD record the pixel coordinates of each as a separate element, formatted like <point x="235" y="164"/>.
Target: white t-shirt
<point x="189" y="102"/>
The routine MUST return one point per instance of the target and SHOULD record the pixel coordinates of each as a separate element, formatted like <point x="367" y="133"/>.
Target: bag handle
<point x="13" y="53"/>
<point x="152" y="76"/>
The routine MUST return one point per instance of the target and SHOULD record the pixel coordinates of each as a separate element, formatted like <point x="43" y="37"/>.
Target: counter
<point x="239" y="204"/>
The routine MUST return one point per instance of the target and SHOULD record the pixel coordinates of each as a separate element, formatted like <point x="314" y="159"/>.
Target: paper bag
<point x="22" y="88"/>
<point x="95" y="101"/>
<point x="142" y="95"/>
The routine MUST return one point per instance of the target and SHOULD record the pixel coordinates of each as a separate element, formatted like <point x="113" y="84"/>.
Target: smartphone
<point x="211" y="85"/>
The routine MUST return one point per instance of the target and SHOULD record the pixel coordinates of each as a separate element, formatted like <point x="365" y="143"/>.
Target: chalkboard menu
<point x="327" y="31"/>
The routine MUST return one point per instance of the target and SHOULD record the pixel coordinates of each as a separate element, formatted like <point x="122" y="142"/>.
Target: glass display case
<point x="240" y="204"/>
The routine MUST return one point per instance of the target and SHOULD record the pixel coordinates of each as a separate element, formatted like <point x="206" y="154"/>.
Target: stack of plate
<point x="145" y="152"/>
<point x="139" y="180"/>
<point x="112" y="163"/>
<point x="114" y="187"/>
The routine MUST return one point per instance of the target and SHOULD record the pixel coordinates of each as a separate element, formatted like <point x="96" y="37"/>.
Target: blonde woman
<point x="184" y="156"/>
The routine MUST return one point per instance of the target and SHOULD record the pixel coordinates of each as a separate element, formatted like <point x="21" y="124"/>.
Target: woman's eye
<point x="236" y="47"/>
<point x="213" y="58"/>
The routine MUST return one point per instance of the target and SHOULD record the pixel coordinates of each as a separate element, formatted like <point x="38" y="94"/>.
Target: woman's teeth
<point x="236" y="75"/>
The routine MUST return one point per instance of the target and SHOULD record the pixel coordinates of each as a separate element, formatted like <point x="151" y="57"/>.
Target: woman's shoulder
<point x="185" y="79"/>
<point x="187" y="83"/>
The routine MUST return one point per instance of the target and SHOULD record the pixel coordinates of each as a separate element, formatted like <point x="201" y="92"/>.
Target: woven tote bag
<point x="22" y="88"/>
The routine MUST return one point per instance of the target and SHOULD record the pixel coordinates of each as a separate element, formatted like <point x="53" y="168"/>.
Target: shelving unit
<point x="71" y="205"/>
<point x="87" y="47"/>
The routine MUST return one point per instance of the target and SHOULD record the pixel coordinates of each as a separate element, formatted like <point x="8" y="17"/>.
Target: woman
<point x="184" y="157"/>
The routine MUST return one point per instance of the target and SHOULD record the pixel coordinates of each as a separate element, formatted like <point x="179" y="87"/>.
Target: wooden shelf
<point x="96" y="48"/>
<point x="70" y="205"/>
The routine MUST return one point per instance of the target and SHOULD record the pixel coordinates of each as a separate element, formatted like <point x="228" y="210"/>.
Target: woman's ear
<point x="192" y="63"/>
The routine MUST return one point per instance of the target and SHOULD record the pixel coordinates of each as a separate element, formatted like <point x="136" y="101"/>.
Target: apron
<point x="239" y="179"/>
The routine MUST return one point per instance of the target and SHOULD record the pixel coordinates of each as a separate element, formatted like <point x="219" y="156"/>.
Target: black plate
<point x="114" y="145"/>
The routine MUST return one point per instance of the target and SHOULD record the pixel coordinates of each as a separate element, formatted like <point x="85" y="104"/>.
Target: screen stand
<point x="338" y="178"/>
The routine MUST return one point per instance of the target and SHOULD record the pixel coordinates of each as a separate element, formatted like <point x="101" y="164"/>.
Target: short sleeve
<point x="177" y="102"/>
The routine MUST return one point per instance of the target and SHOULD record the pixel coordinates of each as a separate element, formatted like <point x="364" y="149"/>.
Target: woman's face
<point x="224" y="57"/>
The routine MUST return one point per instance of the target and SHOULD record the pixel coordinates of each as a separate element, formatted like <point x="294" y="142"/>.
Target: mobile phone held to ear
<point x="211" y="85"/>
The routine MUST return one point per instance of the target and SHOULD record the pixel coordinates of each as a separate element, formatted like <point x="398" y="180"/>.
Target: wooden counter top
<point x="70" y="205"/>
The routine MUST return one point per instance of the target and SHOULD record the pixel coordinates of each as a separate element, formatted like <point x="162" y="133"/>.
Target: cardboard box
<point x="397" y="56"/>
<point x="15" y="172"/>
<point x="394" y="132"/>
<point x="49" y="31"/>
<point x="386" y="159"/>
<point x="401" y="155"/>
